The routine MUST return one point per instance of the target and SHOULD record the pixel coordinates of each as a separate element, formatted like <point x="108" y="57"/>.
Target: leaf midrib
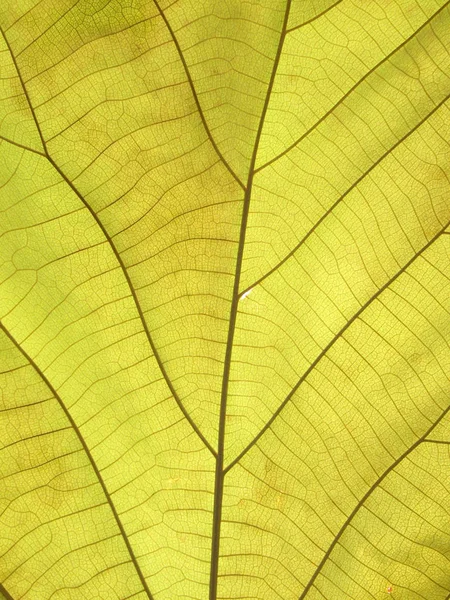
<point x="220" y="472"/>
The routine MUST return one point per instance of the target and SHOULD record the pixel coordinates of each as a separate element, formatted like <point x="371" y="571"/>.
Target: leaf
<point x="224" y="300"/>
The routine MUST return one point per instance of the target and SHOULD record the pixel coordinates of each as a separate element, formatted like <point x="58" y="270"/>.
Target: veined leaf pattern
<point x="224" y="338"/>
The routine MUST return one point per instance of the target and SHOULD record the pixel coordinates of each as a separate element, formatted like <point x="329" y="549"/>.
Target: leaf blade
<point x="259" y="365"/>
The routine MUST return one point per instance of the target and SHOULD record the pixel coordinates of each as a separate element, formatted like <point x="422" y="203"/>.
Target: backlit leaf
<point x="224" y="299"/>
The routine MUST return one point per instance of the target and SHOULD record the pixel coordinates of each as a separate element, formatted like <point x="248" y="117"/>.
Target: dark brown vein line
<point x="337" y="337"/>
<point x="344" y="195"/>
<point x="195" y="96"/>
<point x="314" y="18"/>
<point x="437" y="442"/>
<point x="138" y="307"/>
<point x="220" y="473"/>
<point x="5" y="593"/>
<point x="25" y="91"/>
<point x="352" y="89"/>
<point x="119" y="260"/>
<point x="88" y="454"/>
<point x="5" y="139"/>
<point x="365" y="497"/>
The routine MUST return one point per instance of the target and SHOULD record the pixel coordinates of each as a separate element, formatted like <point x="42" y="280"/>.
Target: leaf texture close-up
<point x="224" y="299"/>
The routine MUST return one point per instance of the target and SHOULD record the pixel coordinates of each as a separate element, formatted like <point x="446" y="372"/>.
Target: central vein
<point x="220" y="474"/>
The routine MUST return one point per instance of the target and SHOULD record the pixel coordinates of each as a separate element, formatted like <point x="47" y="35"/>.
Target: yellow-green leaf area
<point x="224" y="300"/>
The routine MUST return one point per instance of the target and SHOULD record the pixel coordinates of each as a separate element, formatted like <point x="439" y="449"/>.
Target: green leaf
<point x="224" y="300"/>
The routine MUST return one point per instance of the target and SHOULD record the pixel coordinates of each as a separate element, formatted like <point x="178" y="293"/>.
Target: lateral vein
<point x="338" y="336"/>
<point x="363" y="500"/>
<point x="343" y="196"/>
<point x="352" y="89"/>
<point x="119" y="260"/>
<point x="88" y="454"/>
<point x="195" y="96"/>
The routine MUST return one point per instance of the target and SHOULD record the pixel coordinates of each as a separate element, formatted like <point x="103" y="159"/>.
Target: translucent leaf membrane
<point x="120" y="120"/>
<point x="224" y="284"/>
<point x="361" y="417"/>
<point x="293" y="314"/>
<point x="16" y="120"/>
<point x="302" y="13"/>
<point x="68" y="307"/>
<point x="49" y="481"/>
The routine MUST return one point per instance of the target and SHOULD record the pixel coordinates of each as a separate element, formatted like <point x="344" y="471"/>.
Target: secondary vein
<point x="118" y="258"/>
<point x="330" y="344"/>
<point x="365" y="498"/>
<point x="344" y="195"/>
<point x="88" y="454"/>
<point x="195" y="96"/>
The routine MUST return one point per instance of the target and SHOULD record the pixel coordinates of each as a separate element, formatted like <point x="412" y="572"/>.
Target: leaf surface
<point x="224" y="339"/>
